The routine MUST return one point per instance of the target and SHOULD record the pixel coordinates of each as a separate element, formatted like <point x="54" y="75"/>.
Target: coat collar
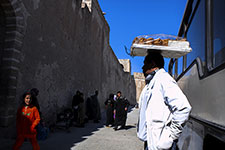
<point x="151" y="84"/>
<point x="152" y="77"/>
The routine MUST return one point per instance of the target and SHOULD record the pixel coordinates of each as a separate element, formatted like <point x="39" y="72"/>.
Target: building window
<point x="218" y="19"/>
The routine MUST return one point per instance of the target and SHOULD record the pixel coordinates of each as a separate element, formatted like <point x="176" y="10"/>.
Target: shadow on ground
<point x="62" y="139"/>
<point x="59" y="139"/>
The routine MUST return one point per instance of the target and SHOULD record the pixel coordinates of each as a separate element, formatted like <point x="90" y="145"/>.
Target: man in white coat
<point x="164" y="108"/>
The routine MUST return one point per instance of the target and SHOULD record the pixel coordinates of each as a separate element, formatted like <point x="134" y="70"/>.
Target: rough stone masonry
<point x="58" y="47"/>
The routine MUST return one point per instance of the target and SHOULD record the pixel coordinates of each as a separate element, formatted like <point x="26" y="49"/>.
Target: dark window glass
<point x="196" y="35"/>
<point x="218" y="32"/>
<point x="193" y="5"/>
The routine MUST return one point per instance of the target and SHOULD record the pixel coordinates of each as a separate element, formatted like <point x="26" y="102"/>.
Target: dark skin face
<point x="147" y="68"/>
<point x="118" y="94"/>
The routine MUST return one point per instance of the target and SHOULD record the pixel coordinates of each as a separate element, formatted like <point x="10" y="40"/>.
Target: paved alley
<point x="95" y="136"/>
<point x="108" y="139"/>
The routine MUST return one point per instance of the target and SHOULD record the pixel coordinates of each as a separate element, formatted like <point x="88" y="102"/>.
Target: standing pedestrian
<point x="34" y="92"/>
<point x="26" y="120"/>
<point x="164" y="108"/>
<point x="42" y="131"/>
<point x="96" y="107"/>
<point x="109" y="103"/>
<point x="81" y="113"/>
<point x="75" y="105"/>
<point x="120" y="110"/>
<point x="89" y="112"/>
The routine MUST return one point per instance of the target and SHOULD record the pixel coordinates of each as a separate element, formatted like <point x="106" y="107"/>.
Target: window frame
<point x="207" y="69"/>
<point x="212" y="68"/>
<point x="197" y="60"/>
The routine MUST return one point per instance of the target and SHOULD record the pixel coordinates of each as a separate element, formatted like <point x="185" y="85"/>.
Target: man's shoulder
<point x="165" y="77"/>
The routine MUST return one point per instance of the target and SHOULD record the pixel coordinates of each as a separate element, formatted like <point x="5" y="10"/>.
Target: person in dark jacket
<point x="120" y="110"/>
<point x="81" y="113"/>
<point x="75" y="104"/>
<point x="109" y="103"/>
<point x="89" y="111"/>
<point x="96" y="107"/>
<point x="34" y="93"/>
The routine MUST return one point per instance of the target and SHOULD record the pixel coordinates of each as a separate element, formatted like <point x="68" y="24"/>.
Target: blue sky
<point x="130" y="18"/>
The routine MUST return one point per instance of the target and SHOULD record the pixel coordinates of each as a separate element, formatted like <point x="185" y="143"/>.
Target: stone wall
<point x="140" y="84"/>
<point x="126" y="64"/>
<point x="62" y="48"/>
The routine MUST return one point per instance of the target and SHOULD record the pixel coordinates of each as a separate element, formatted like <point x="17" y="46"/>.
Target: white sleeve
<point x="178" y="105"/>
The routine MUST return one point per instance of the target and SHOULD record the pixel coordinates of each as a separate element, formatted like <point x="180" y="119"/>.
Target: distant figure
<point x="109" y="103"/>
<point x="95" y="107"/>
<point x="75" y="104"/>
<point x="42" y="130"/>
<point x="26" y="120"/>
<point x="89" y="111"/>
<point x="120" y="110"/>
<point x="81" y="114"/>
<point x="34" y="93"/>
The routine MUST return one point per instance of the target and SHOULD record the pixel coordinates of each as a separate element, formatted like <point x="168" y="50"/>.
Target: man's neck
<point x="153" y="69"/>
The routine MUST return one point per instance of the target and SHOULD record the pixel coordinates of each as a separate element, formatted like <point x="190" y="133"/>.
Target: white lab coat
<point x="166" y="112"/>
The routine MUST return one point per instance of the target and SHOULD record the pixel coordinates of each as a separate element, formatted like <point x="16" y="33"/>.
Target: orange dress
<point x="27" y="119"/>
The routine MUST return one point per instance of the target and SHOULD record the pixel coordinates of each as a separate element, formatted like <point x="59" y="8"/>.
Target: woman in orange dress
<point x="27" y="119"/>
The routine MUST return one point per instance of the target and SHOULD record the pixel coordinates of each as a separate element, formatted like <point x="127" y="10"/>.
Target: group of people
<point x="91" y="112"/>
<point x="164" y="109"/>
<point x="116" y="111"/>
<point x="29" y="119"/>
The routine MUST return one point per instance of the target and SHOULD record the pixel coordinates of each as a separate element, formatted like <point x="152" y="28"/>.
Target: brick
<point x="13" y="44"/>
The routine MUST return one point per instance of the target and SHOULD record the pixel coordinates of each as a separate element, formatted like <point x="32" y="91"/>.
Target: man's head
<point x="96" y="92"/>
<point x="118" y="94"/>
<point x="34" y="91"/>
<point x="77" y="92"/>
<point x="153" y="61"/>
<point x="111" y="96"/>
